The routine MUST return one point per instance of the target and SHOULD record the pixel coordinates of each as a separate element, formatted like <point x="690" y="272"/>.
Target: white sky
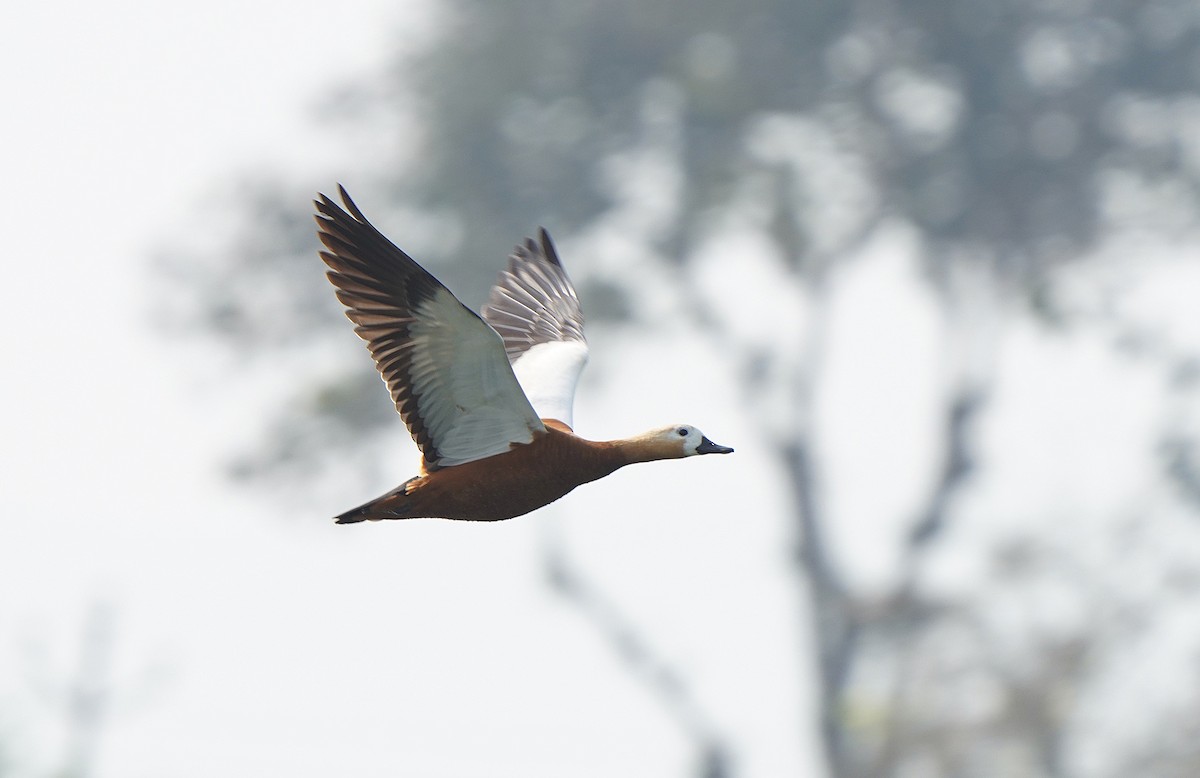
<point x="254" y="643"/>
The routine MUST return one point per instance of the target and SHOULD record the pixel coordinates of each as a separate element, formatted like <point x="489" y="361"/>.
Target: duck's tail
<point x="396" y="504"/>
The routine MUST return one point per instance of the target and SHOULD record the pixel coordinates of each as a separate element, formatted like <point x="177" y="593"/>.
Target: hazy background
<point x="931" y="267"/>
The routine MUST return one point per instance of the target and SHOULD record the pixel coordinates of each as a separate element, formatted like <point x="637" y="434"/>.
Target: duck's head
<point x="684" y="440"/>
<point x="674" y="442"/>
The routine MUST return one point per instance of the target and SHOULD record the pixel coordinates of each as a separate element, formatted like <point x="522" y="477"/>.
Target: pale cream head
<point x="690" y="440"/>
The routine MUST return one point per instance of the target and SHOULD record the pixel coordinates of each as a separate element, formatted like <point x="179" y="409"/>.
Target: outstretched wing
<point x="446" y="369"/>
<point x="536" y="311"/>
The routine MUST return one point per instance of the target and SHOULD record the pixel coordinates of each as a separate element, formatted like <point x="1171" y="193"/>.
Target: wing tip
<point x="351" y="207"/>
<point x="328" y="210"/>
<point x="531" y="249"/>
<point x="548" y="249"/>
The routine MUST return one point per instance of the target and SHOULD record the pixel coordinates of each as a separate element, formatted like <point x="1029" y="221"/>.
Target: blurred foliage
<point x="1012" y="130"/>
<point x="1011" y="133"/>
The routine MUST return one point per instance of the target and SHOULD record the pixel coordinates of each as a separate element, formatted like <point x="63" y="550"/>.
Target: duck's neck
<point x="647" y="447"/>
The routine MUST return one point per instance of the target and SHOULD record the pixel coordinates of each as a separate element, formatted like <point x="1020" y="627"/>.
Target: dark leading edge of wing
<point x="533" y="301"/>
<point x="381" y="287"/>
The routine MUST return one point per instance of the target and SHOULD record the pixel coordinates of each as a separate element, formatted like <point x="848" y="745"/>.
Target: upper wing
<point x="536" y="311"/>
<point x="445" y="367"/>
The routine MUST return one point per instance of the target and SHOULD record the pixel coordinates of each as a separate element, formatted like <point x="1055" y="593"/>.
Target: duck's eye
<point x="682" y="432"/>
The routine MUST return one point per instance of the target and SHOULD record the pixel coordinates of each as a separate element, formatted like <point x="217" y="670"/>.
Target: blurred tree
<point x="88" y="698"/>
<point x="1011" y="136"/>
<point x="76" y="700"/>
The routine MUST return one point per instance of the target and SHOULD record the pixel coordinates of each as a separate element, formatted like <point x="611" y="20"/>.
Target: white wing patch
<point x="548" y="372"/>
<point x="467" y="395"/>
<point x="535" y="309"/>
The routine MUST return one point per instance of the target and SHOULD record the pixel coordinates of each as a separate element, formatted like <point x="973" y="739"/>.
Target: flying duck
<point x="487" y="398"/>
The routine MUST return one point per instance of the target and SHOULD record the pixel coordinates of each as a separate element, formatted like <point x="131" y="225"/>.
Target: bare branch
<point x="654" y="672"/>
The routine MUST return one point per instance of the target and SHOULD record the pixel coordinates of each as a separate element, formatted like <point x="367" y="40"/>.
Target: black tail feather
<point x="389" y="506"/>
<point x="352" y="516"/>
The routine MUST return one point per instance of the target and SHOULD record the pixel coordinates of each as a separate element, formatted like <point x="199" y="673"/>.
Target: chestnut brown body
<point x="506" y="485"/>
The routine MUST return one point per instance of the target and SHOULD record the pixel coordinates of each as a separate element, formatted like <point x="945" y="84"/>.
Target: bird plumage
<point x="488" y="399"/>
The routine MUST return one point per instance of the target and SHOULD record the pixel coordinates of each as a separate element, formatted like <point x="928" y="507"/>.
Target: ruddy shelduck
<point x="487" y="398"/>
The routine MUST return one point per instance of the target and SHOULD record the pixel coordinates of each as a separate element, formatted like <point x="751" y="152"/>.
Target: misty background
<point x="930" y="267"/>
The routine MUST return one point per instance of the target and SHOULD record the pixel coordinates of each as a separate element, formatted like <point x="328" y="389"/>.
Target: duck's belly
<point x="476" y="494"/>
<point x="513" y="483"/>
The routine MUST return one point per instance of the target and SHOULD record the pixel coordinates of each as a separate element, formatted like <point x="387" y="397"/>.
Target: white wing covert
<point x="445" y="367"/>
